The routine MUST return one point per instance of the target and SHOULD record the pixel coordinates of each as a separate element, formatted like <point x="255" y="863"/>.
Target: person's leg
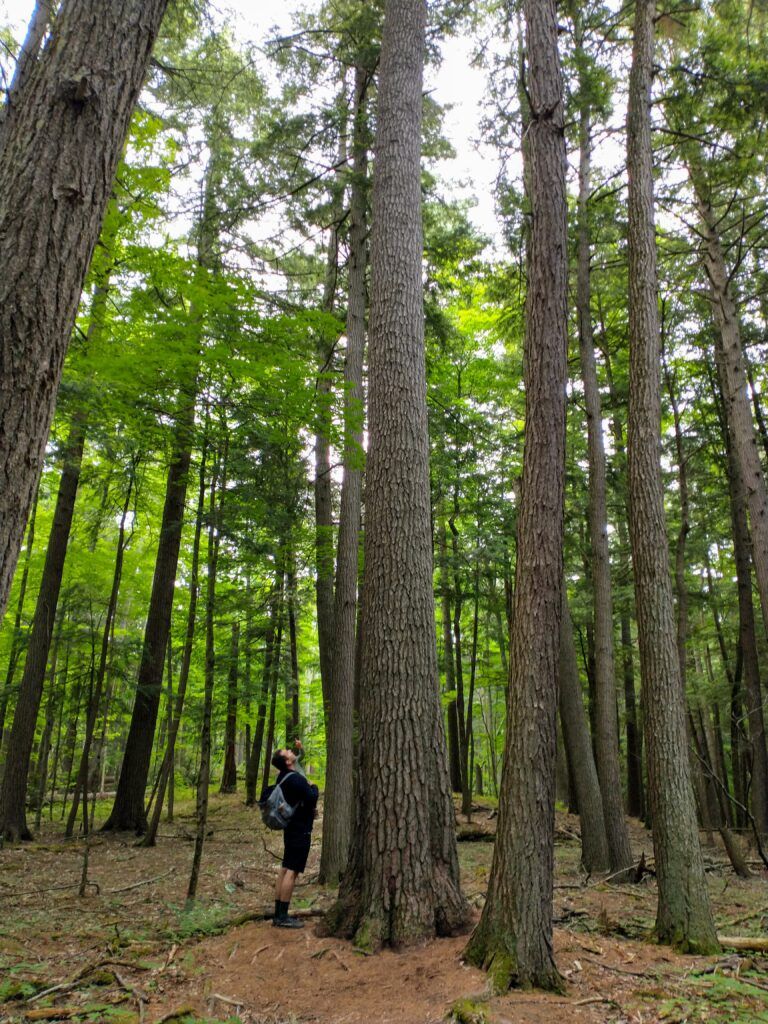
<point x="287" y="882"/>
<point x="280" y="909"/>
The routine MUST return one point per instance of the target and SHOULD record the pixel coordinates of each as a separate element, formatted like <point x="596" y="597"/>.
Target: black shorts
<point x="296" y="851"/>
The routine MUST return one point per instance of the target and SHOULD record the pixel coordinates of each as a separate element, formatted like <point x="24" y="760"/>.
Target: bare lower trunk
<point x="402" y="882"/>
<point x="684" y="916"/>
<point x="514" y="937"/>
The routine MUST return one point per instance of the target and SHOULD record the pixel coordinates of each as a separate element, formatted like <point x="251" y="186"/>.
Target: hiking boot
<point x="287" y="922"/>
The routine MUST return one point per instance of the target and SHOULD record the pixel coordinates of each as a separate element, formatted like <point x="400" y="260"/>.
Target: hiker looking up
<point x="297" y="835"/>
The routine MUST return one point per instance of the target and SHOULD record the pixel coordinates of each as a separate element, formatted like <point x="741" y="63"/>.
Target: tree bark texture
<point x="61" y="142"/>
<point x="338" y="807"/>
<point x="514" y="937"/>
<point x="402" y="884"/>
<point x="27" y="56"/>
<point x="684" y="917"/>
<point x="581" y="761"/>
<point x="607" y="734"/>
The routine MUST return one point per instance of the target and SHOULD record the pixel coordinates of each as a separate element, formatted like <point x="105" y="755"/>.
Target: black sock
<point x="281" y="909"/>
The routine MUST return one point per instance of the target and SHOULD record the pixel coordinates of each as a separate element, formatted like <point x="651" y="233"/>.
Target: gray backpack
<point x="276" y="812"/>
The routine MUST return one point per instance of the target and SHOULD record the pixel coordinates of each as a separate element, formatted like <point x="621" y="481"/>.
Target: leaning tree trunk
<point x="13" y="791"/>
<point x="61" y="142"/>
<point x="742" y="545"/>
<point x="128" y="812"/>
<point x="17" y="635"/>
<point x="27" y="56"/>
<point x="581" y="760"/>
<point x="736" y="396"/>
<point x="166" y="769"/>
<point x="684" y="916"/>
<point x="514" y="937"/>
<point x="606" y="733"/>
<point x="402" y="883"/>
<point x="81" y="783"/>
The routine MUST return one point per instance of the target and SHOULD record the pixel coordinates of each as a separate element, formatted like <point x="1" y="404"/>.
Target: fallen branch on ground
<point x="144" y="881"/>
<point x="752" y="944"/>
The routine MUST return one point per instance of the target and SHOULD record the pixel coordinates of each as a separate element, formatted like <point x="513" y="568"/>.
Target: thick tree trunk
<point x="402" y="883"/>
<point x="13" y="791"/>
<point x="606" y="735"/>
<point x="514" y="937"/>
<point x="684" y="916"/>
<point x="61" y="142"/>
<point x="229" y="775"/>
<point x="581" y="762"/>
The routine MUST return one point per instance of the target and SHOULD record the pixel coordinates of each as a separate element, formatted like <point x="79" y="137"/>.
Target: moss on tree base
<point x="494" y="952"/>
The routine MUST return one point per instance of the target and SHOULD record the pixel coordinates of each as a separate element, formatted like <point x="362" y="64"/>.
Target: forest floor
<point x="128" y="953"/>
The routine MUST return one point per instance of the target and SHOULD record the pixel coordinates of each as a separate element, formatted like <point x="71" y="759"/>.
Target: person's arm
<point x="302" y="791"/>
<point x="298" y="750"/>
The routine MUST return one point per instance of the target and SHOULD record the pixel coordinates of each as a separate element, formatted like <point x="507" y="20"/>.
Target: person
<point x="297" y="836"/>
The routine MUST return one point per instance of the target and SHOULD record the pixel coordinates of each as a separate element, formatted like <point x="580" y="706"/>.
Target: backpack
<point x="276" y="812"/>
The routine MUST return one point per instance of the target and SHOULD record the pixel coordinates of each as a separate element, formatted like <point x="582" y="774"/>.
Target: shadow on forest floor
<point x="127" y="952"/>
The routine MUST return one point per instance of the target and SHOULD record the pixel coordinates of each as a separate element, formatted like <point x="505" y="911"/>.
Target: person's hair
<point x="278" y="761"/>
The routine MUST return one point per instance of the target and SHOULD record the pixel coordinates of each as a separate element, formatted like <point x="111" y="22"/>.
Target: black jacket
<point x="301" y="795"/>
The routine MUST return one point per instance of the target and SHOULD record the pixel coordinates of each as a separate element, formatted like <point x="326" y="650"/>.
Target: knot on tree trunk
<point x="80" y="88"/>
